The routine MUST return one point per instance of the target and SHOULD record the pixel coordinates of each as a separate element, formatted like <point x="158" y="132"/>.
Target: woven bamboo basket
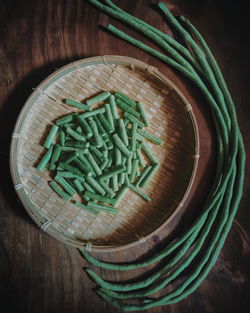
<point x="171" y="118"/>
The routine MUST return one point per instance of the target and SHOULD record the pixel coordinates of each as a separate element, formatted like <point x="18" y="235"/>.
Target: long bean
<point x="220" y="185"/>
<point x="175" y="44"/>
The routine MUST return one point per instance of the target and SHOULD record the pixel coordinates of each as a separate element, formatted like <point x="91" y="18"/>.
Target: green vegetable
<point x="90" y="195"/>
<point x="133" y="119"/>
<point x="60" y="192"/>
<point x="68" y="188"/>
<point x="45" y="160"/>
<point x="154" y="139"/>
<point x="103" y="96"/>
<point x="94" y="128"/>
<point x="125" y="107"/>
<point x="223" y="200"/>
<point x="125" y="99"/>
<point x="102" y="207"/>
<point x="53" y="131"/>
<point x="121" y="146"/>
<point x="78" y="105"/>
<point x="143" y="114"/>
<point x="90" y="159"/>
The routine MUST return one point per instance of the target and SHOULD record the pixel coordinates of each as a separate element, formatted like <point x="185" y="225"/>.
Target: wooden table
<point x="40" y="274"/>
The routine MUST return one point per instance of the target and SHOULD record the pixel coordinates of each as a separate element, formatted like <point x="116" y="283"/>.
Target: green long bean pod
<point x="200" y="56"/>
<point x="175" y="44"/>
<point x="216" y="245"/>
<point x="221" y="184"/>
<point x="145" y="30"/>
<point x="198" y="82"/>
<point x="148" y="281"/>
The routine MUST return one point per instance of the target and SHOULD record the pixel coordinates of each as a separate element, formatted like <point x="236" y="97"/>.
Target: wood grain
<point x="39" y="274"/>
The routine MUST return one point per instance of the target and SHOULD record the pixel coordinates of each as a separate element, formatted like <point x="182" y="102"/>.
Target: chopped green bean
<point x="78" y="185"/>
<point x="70" y="168"/>
<point x="93" y="164"/>
<point x="96" y="186"/>
<point x="104" y="164"/>
<point x="82" y="167"/>
<point x="120" y="195"/>
<point x="85" y="161"/>
<point x="107" y="126"/>
<point x="103" y="96"/>
<point x="105" y="186"/>
<point x="87" y="208"/>
<point x="133" y="119"/>
<point x="59" y="191"/>
<point x="90" y="195"/>
<point x="62" y="137"/>
<point x="151" y="137"/>
<point x="133" y="138"/>
<point x="129" y="164"/>
<point x="127" y="108"/>
<point x="77" y="144"/>
<point x="97" y="137"/>
<point x="113" y="107"/>
<point x="74" y="134"/>
<point x="92" y="113"/>
<point x="150" y="173"/>
<point x="117" y="170"/>
<point x="143" y="114"/>
<point x="88" y="187"/>
<point x="68" y="188"/>
<point x="125" y="98"/>
<point x="78" y="105"/>
<point x="96" y="152"/>
<point x="45" y="160"/>
<point x="105" y="208"/>
<point x="148" y="152"/>
<point x="140" y="192"/>
<point x="119" y="143"/>
<point x="144" y="173"/>
<point x="65" y="119"/>
<point x="123" y="132"/>
<point x="67" y="174"/>
<point x="84" y="124"/>
<point x="70" y="157"/>
<point x="109" y="115"/>
<point x="51" y="136"/>
<point x="140" y="158"/>
<point x="133" y="170"/>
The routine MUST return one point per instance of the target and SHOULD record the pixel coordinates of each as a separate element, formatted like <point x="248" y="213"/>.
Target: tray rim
<point x="40" y="220"/>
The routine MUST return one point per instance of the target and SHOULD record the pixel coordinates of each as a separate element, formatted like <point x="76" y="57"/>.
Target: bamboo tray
<point x="171" y="118"/>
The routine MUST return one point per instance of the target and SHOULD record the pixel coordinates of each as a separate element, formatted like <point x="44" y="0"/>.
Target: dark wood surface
<point x="39" y="274"/>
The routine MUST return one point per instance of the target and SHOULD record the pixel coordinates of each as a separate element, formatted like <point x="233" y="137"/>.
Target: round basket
<point x="171" y="118"/>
